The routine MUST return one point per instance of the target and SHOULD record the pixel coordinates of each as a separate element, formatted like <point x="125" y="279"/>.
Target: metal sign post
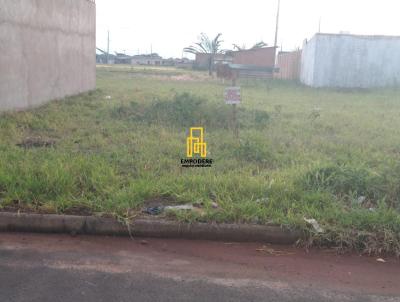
<point x="233" y="97"/>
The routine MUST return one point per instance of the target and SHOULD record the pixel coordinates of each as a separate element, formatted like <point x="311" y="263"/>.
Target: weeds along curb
<point x="90" y="225"/>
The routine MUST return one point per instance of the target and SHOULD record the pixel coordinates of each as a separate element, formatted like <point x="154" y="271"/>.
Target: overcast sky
<point x="167" y="26"/>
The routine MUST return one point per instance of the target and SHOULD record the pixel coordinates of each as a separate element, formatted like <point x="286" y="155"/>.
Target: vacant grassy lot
<point x="328" y="155"/>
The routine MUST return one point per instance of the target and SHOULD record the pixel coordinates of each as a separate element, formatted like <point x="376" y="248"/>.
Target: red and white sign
<point x="232" y="96"/>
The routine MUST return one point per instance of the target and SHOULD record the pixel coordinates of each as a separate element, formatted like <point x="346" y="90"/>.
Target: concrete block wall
<point x="289" y="65"/>
<point x="307" y="62"/>
<point x="47" y="51"/>
<point x="351" y="61"/>
<point x="262" y="57"/>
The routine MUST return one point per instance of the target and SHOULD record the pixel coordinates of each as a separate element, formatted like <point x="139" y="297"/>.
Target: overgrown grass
<point x="302" y="153"/>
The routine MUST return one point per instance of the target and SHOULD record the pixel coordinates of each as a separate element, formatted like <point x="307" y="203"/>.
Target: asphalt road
<point x="63" y="268"/>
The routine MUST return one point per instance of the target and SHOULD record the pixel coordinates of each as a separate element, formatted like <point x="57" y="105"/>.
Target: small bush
<point x="253" y="118"/>
<point x="252" y="150"/>
<point x="184" y="110"/>
<point x="125" y="111"/>
<point x="341" y="180"/>
<point x="187" y="110"/>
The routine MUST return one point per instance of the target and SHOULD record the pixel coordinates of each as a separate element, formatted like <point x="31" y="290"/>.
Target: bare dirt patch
<point x="17" y="206"/>
<point x="80" y="210"/>
<point x="162" y="201"/>
<point x="36" y="142"/>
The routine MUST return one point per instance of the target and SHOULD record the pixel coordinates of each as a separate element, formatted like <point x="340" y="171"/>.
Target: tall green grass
<point x="302" y="153"/>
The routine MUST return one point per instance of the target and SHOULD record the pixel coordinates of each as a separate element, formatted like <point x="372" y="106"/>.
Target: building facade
<point x="150" y="59"/>
<point x="289" y="64"/>
<point x="260" y="57"/>
<point x="351" y="61"/>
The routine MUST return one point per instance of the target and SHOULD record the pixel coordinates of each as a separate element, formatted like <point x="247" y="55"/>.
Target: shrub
<point x="341" y="180"/>
<point x="253" y="150"/>
<point x="187" y="110"/>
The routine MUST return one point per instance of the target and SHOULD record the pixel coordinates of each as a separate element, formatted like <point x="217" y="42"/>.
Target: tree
<point x="260" y="44"/>
<point x="238" y="48"/>
<point x="207" y="46"/>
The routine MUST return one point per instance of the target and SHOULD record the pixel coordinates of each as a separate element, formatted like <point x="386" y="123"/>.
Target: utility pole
<point x="277" y="23"/>
<point x="319" y="25"/>
<point x="108" y="47"/>
<point x="276" y="32"/>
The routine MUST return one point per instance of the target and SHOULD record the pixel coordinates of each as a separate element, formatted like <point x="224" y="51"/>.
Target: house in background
<point x="250" y="63"/>
<point x="288" y="65"/>
<point x="103" y="58"/>
<point x="141" y="60"/>
<point x="149" y="59"/>
<point x="121" y="58"/>
<point x="168" y="62"/>
<point x="202" y="60"/>
<point x="184" y="63"/>
<point x="258" y="57"/>
<point x="351" y="61"/>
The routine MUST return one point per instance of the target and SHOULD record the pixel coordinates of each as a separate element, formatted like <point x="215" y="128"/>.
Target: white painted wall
<point x="307" y="62"/>
<point x="348" y="61"/>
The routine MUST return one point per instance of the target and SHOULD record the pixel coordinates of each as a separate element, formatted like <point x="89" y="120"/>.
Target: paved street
<point x="63" y="268"/>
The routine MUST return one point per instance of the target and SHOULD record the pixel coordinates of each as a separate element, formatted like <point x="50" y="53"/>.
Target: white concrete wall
<point x="47" y="50"/>
<point x="307" y="62"/>
<point x="349" y="61"/>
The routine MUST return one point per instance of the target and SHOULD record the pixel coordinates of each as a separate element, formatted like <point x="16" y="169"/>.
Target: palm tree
<point x="207" y="46"/>
<point x="260" y="44"/>
<point x="238" y="48"/>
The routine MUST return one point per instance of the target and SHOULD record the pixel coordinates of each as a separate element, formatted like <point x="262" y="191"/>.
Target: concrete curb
<point x="37" y="223"/>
